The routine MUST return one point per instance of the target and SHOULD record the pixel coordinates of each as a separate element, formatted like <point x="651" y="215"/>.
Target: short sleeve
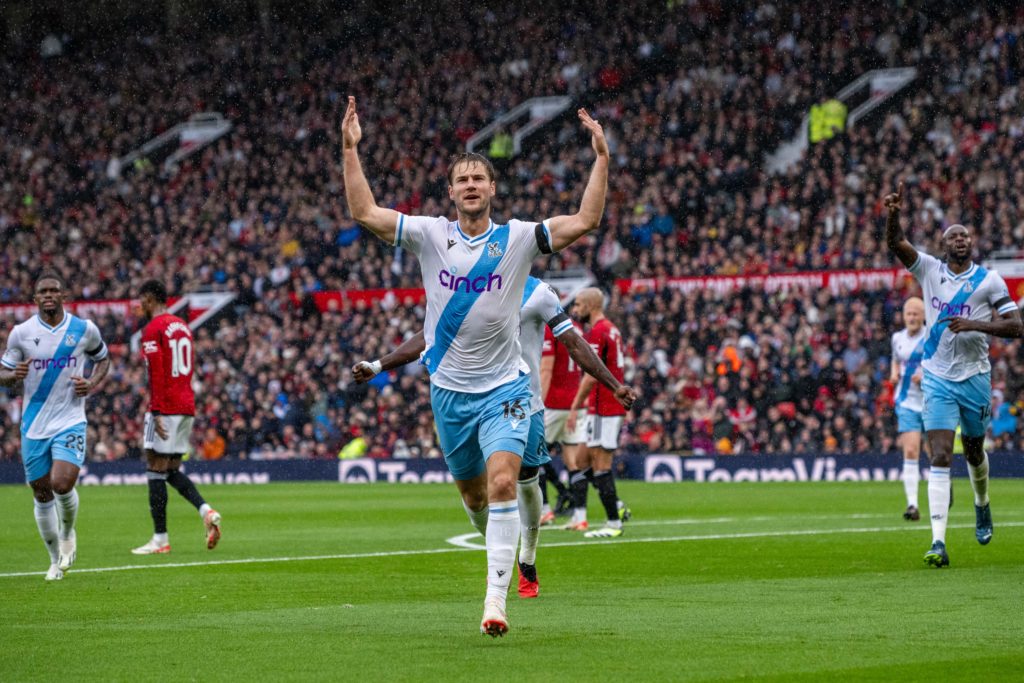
<point x="411" y="231"/>
<point x="554" y="315"/>
<point x="924" y="265"/>
<point x="13" y="354"/>
<point x="542" y="236"/>
<point x="892" y="347"/>
<point x="999" y="295"/>
<point x="94" y="346"/>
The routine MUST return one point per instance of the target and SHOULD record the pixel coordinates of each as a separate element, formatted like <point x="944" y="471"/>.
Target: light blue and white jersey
<point x="974" y="295"/>
<point x="907" y="351"/>
<point x="540" y="307"/>
<point x="55" y="355"/>
<point x="474" y="288"/>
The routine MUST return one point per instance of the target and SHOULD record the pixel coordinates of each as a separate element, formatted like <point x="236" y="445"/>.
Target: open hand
<point x="160" y="427"/>
<point x="351" y="133"/>
<point x="597" y="139"/>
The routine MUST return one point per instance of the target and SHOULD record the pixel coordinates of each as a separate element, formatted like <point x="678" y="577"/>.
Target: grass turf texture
<point x="735" y="580"/>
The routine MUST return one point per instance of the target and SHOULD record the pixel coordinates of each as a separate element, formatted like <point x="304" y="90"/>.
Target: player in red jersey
<point x="169" y="355"/>
<point x="559" y="380"/>
<point x="604" y="420"/>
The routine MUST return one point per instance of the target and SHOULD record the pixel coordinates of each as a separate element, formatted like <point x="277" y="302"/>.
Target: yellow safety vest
<point x="817" y="126"/>
<point x="355" y="448"/>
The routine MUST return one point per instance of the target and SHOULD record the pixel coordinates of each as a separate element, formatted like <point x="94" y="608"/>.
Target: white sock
<point x="203" y="509"/>
<point x="46" y="520"/>
<point x="938" y="501"/>
<point x="579" y="515"/>
<point x="67" y="512"/>
<point x="911" y="480"/>
<point x="545" y="509"/>
<point x="161" y="539"/>
<point x="502" y="539"/>
<point x="478" y="518"/>
<point x="979" y="480"/>
<point x="614" y="523"/>
<point x="529" y="518"/>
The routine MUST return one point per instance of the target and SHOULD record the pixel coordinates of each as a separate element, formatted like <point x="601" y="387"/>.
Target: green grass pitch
<point x="766" y="581"/>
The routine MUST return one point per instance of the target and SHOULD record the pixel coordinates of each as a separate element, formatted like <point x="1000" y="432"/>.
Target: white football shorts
<point x="555" y="430"/>
<point x="603" y="431"/>
<point x="179" y="433"/>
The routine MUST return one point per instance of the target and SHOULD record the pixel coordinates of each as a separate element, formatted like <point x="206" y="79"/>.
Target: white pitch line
<point x="467" y="548"/>
<point x="465" y="540"/>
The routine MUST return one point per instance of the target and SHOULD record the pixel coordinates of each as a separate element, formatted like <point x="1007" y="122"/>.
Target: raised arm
<point x="381" y="222"/>
<point x="894" y="237"/>
<point x="407" y="352"/>
<point x="581" y="352"/>
<point x="567" y="229"/>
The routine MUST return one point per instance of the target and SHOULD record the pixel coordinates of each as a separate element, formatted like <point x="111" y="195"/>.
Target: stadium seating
<point x="693" y="96"/>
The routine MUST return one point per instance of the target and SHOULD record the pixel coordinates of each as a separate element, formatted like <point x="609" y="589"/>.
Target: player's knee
<point x="42" y="494"/>
<point x="62" y="485"/>
<point x="503" y="486"/>
<point x="974" y="449"/>
<point x="475" y="500"/>
<point x="526" y="473"/>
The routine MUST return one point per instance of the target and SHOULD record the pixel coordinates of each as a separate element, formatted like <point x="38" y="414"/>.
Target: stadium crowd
<point x="692" y="96"/>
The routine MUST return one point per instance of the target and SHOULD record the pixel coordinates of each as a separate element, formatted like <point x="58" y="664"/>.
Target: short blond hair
<point x="916" y="301"/>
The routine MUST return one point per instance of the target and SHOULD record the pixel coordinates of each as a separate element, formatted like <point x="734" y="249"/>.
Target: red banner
<point x="365" y="297"/>
<point x="1016" y="287"/>
<point x="91" y="309"/>
<point x="836" y="280"/>
<point x="83" y="309"/>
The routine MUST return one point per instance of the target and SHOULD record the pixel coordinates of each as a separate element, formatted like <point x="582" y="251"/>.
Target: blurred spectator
<point x="213" y="445"/>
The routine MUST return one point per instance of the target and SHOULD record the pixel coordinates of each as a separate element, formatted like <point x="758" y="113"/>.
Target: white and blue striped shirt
<point x="974" y="294"/>
<point x="474" y="288"/>
<point x="55" y="355"/>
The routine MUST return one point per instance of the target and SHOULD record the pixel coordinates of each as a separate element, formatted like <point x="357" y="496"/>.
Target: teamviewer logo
<point x="358" y="471"/>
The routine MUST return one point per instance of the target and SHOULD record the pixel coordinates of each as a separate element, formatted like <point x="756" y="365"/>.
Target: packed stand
<point x="692" y="97"/>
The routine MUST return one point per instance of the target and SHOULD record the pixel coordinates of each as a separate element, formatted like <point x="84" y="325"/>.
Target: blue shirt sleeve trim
<point x="547" y="232"/>
<point x="398" y="233"/>
<point x="1007" y="308"/>
<point x="562" y="329"/>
